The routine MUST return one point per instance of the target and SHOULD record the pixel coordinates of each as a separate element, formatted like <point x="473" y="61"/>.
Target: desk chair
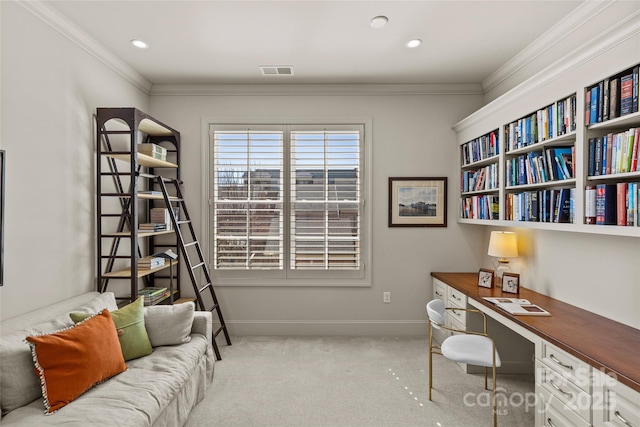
<point x="473" y="348"/>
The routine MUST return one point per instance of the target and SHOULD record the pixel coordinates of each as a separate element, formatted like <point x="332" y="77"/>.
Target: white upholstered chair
<point x="473" y="348"/>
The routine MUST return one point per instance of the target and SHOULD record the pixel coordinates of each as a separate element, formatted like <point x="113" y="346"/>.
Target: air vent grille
<point x="276" y="70"/>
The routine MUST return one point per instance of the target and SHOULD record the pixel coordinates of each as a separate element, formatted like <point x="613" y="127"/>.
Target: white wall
<point x="599" y="273"/>
<point x="412" y="136"/>
<point x="50" y="90"/>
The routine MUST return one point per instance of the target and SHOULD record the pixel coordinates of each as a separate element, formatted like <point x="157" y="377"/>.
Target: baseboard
<point x="329" y="328"/>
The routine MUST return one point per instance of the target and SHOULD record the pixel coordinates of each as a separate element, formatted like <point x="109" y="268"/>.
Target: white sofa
<point x="156" y="390"/>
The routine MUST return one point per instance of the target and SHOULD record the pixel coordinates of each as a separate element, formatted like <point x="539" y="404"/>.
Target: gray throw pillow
<point x="169" y="324"/>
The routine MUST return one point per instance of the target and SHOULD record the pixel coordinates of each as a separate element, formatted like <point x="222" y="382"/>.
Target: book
<point x="151" y="192"/>
<point x="614" y="98"/>
<point x="153" y="150"/>
<point x="634" y="107"/>
<point x="622" y="200"/>
<point x="626" y="94"/>
<point x="590" y="204"/>
<point x="151" y="291"/>
<point x="594" y="104"/>
<point x="518" y="306"/>
<point x="606" y="209"/>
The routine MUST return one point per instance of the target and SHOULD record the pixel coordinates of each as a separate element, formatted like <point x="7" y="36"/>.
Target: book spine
<point x="626" y="94"/>
<point x="590" y="205"/>
<point x="621" y="212"/>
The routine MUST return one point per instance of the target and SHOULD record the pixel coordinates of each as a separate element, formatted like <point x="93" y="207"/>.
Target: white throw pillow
<point x="169" y="324"/>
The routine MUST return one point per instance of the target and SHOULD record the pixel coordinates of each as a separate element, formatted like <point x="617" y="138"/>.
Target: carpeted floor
<point x="347" y="381"/>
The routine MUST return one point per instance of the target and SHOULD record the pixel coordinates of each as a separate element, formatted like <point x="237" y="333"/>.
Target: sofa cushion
<point x="169" y="324"/>
<point x="18" y="384"/>
<point x="71" y="361"/>
<point x="129" y="321"/>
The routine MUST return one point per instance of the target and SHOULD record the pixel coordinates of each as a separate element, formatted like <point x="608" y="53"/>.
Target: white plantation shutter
<point x="325" y="195"/>
<point x="287" y="201"/>
<point x="248" y="199"/>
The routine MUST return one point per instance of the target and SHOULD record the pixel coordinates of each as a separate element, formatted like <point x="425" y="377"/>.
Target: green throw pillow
<point x="129" y="321"/>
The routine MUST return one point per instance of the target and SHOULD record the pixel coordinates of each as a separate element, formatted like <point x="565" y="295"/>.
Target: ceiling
<point x="225" y="42"/>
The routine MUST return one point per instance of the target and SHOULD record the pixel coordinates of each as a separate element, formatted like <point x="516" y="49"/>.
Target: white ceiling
<point x="225" y="42"/>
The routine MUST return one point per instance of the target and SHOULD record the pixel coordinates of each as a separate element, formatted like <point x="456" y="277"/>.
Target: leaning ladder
<point x="187" y="249"/>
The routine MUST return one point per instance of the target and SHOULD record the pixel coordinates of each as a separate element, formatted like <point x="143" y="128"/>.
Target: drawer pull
<point x="439" y="294"/>
<point x="555" y="359"/>
<point x="550" y="423"/>
<point x="621" y="418"/>
<point x="567" y="394"/>
<point x="454" y="295"/>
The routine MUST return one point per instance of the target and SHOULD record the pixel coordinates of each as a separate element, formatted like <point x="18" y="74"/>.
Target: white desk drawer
<point x="456" y="298"/>
<point x="572" y="397"/>
<point x="460" y="316"/>
<point x="554" y="414"/>
<point x="452" y="322"/>
<point x="569" y="367"/>
<point x="439" y="290"/>
<point x="615" y="404"/>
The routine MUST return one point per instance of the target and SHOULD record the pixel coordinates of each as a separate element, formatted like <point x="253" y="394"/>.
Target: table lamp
<point x="503" y="245"/>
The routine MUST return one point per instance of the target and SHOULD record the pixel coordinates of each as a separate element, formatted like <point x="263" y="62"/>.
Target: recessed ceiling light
<point x="139" y="44"/>
<point x="379" y="21"/>
<point x="413" y="43"/>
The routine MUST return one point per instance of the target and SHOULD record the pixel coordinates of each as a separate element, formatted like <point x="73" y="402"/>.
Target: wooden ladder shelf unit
<point x="190" y="249"/>
<point x="123" y="176"/>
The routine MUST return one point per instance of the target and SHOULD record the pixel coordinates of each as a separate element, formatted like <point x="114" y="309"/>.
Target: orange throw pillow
<point x="71" y="361"/>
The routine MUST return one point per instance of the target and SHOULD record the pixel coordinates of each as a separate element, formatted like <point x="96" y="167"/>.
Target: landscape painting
<point x="418" y="202"/>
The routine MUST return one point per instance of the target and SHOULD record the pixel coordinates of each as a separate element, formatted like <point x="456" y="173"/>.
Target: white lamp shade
<point x="503" y="244"/>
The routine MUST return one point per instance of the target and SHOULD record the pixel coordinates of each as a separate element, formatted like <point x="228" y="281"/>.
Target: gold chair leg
<point x="495" y="403"/>
<point x="430" y="359"/>
<point x="485" y="378"/>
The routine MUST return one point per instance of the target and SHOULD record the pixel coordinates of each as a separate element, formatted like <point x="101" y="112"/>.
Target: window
<point x="287" y="202"/>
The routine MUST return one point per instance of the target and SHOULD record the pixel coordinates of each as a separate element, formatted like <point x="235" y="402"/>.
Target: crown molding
<point x="317" y="89"/>
<point x="593" y="48"/>
<point x="576" y="19"/>
<point x="65" y="27"/>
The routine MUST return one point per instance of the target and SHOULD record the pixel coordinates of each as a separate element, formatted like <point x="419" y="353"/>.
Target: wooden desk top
<point x="603" y="343"/>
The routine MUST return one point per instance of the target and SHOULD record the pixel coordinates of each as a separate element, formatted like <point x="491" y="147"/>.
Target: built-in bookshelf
<point x="539" y="164"/>
<point x="612" y="138"/>
<point x="570" y="165"/>
<point x="480" y="177"/>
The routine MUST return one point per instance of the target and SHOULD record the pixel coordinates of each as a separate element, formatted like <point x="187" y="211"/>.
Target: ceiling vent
<point x="276" y="70"/>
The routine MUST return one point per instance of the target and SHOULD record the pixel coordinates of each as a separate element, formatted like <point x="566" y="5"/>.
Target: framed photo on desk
<point x="485" y="278"/>
<point x="511" y="283"/>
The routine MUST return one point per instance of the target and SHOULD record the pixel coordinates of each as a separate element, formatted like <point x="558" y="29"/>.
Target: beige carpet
<point x="346" y="381"/>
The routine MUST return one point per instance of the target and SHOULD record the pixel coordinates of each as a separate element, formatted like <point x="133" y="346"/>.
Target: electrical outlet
<point x="386" y="297"/>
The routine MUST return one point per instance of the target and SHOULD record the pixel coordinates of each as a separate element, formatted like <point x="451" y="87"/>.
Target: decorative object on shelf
<point x="2" y="161"/>
<point x="503" y="245"/>
<point x="511" y="283"/>
<point x="418" y="202"/>
<point x="485" y="278"/>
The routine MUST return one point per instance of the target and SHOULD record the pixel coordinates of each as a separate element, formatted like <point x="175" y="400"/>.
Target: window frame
<point x="287" y="276"/>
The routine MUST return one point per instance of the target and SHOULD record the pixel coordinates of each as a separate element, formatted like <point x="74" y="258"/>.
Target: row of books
<point x="150" y="262"/>
<point x="153" y="294"/>
<point x="551" y="164"/>
<point x="480" y="207"/>
<point x="547" y="123"/>
<point x="612" y="204"/>
<point x="153" y="150"/>
<point x="482" y="179"/>
<point x="612" y="97"/>
<point x="147" y="227"/>
<point x="480" y="148"/>
<point x="614" y="153"/>
<point x="555" y="205"/>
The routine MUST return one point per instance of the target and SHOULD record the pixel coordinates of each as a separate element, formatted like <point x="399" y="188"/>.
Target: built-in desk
<point x="602" y="344"/>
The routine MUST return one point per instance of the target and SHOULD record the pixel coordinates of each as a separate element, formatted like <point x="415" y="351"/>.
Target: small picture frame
<point x="510" y="283"/>
<point x="485" y="278"/>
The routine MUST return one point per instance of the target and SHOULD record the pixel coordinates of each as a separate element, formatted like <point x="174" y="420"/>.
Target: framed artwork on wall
<point x="418" y="202"/>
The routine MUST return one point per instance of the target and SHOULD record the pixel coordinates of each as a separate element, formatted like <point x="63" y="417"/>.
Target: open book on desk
<point x="518" y="306"/>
